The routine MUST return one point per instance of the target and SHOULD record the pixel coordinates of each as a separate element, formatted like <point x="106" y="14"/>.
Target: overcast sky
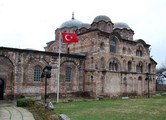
<point x="31" y="23"/>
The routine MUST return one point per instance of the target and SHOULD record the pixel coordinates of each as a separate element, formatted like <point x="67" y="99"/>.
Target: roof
<point x="71" y="23"/>
<point x="121" y="25"/>
<point x="72" y="55"/>
<point x="102" y="18"/>
<point x="84" y="25"/>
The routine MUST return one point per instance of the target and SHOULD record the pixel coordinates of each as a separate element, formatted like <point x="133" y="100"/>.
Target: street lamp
<point x="47" y="74"/>
<point x="148" y="78"/>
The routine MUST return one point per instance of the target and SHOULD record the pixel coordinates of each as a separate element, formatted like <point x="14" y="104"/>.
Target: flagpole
<point x="59" y="59"/>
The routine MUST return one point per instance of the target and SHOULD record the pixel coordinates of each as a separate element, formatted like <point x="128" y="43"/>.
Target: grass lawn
<point x="116" y="109"/>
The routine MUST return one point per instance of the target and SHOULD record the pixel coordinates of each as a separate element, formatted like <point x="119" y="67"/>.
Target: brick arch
<point x="71" y="61"/>
<point x="124" y="86"/>
<point x="129" y="51"/>
<point x="6" y="75"/>
<point x="124" y="50"/>
<point x="29" y="68"/>
<point x="140" y="85"/>
<point x="130" y="84"/>
<point x="117" y="60"/>
<point x="124" y="65"/>
<point x="116" y="35"/>
<point x="140" y="67"/>
<point x="102" y="45"/>
<point x="129" y="65"/>
<point x="102" y="63"/>
<point x="141" y="47"/>
<point x="140" y="78"/>
<point x="6" y="61"/>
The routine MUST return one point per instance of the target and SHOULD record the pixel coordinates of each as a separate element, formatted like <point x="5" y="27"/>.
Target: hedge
<point x="24" y="102"/>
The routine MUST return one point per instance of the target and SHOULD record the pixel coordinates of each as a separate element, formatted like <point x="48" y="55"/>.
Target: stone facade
<point x="18" y="70"/>
<point x="105" y="61"/>
<point x="111" y="68"/>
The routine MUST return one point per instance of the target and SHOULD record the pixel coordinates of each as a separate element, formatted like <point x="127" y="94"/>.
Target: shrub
<point x="85" y="94"/>
<point x="23" y="102"/>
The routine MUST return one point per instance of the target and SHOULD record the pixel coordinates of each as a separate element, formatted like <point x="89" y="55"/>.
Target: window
<point x="102" y="63"/>
<point x="124" y="84"/>
<point x="102" y="45"/>
<point x="37" y="73"/>
<point x="113" y="46"/>
<point x="139" y="52"/>
<point x="113" y="66"/>
<point x="102" y="26"/>
<point x="124" y="50"/>
<point x="109" y="28"/>
<point x="68" y="72"/>
<point x="139" y="67"/>
<point x="129" y="51"/>
<point x="149" y="68"/>
<point x="129" y="66"/>
<point x="123" y="34"/>
<point x="94" y="26"/>
<point x="91" y="78"/>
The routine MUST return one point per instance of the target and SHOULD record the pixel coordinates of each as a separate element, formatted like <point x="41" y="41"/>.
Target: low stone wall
<point x="161" y="87"/>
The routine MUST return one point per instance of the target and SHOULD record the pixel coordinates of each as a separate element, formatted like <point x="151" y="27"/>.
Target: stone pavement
<point x="9" y="111"/>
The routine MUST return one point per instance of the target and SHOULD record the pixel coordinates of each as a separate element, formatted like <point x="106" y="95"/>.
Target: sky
<point x="32" y="23"/>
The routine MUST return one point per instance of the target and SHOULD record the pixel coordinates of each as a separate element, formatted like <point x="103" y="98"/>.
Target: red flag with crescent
<point x="69" y="37"/>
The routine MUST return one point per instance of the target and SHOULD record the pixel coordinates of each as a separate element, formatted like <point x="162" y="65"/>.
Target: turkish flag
<point x="69" y="37"/>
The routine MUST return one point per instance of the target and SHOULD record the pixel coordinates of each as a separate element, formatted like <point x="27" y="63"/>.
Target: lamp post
<point x="147" y="78"/>
<point x="47" y="74"/>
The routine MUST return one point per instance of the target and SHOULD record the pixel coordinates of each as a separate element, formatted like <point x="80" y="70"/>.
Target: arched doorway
<point x="124" y="84"/>
<point x="1" y="89"/>
<point x="6" y="77"/>
<point x="140" y="86"/>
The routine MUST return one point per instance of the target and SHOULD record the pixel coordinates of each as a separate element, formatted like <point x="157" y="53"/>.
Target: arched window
<point x="139" y="52"/>
<point x="102" y="62"/>
<point x="123" y="34"/>
<point x="102" y="26"/>
<point x="124" y="50"/>
<point x="149" y="68"/>
<point x="139" y="67"/>
<point x="129" y="51"/>
<point x="109" y="28"/>
<point x="102" y="45"/>
<point x="37" y="73"/>
<point x="94" y="26"/>
<point x="91" y="78"/>
<point x="68" y="74"/>
<point x="129" y="66"/>
<point x="113" y="46"/>
<point x="124" y="85"/>
<point x="113" y="66"/>
<point x="139" y="78"/>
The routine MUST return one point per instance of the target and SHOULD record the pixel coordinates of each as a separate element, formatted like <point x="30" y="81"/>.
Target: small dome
<point x="84" y="25"/>
<point x="102" y="18"/>
<point x="121" y="25"/>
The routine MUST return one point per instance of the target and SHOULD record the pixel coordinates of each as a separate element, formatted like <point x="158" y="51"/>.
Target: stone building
<point x="106" y="61"/>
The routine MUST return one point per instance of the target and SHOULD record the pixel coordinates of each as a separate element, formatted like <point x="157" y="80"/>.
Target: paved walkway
<point x="9" y="111"/>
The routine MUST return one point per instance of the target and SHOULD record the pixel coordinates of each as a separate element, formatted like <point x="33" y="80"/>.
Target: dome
<point x="84" y="25"/>
<point x="102" y="18"/>
<point x="121" y="25"/>
<point x="71" y="23"/>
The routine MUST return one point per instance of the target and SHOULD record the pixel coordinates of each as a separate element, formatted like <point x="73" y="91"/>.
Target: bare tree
<point x="161" y="73"/>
